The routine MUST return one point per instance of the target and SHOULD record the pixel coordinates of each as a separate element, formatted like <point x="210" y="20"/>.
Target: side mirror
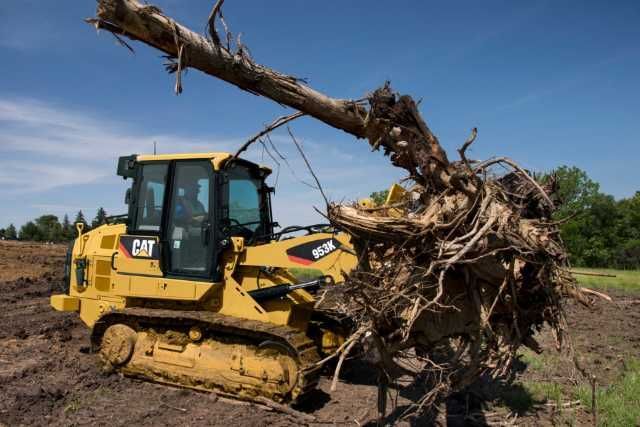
<point x="127" y="196"/>
<point x="126" y="166"/>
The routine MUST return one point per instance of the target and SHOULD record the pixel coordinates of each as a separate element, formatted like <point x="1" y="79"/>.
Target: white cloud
<point x="45" y="146"/>
<point x="50" y="207"/>
<point x="68" y="147"/>
<point x="18" y="177"/>
<point x="32" y="126"/>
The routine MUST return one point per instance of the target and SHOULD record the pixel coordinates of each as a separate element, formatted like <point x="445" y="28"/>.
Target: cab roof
<point x="218" y="158"/>
<point x="181" y="156"/>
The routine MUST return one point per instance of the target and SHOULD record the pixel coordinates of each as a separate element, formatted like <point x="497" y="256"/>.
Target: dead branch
<point x="139" y="22"/>
<point x="274" y="125"/>
<point x="306" y="161"/>
<point x="286" y="409"/>
<point x="590" y="273"/>
<point x="414" y="148"/>
<point x="211" y="22"/>
<point x="596" y="293"/>
<point x="462" y="150"/>
<point x="336" y="374"/>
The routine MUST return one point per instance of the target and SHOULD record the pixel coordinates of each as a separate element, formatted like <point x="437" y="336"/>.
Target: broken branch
<point x="274" y="125"/>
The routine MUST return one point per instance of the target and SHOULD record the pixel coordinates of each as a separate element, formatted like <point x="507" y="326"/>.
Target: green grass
<point x="627" y="280"/>
<point x="618" y="404"/>
<point x="543" y="391"/>
<point x="538" y="362"/>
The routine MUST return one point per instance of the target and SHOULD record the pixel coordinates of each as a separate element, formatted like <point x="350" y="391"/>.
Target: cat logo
<point x="140" y="247"/>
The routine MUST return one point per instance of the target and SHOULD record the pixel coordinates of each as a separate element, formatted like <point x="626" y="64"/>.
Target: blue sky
<point x="546" y="83"/>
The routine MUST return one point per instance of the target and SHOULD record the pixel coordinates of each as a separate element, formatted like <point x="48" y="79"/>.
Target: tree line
<point x="48" y="228"/>
<point x="598" y="230"/>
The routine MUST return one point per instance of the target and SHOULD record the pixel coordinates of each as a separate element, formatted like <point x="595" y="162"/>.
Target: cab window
<point x="189" y="222"/>
<point x="244" y="200"/>
<point x="247" y="205"/>
<point x="150" y="198"/>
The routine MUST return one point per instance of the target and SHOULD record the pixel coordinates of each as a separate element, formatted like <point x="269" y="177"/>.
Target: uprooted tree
<point x="455" y="276"/>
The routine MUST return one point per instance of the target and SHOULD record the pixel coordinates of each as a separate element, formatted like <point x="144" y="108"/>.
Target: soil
<point x="49" y="377"/>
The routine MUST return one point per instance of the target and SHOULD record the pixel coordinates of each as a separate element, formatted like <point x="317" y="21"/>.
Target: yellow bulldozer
<point x="195" y="288"/>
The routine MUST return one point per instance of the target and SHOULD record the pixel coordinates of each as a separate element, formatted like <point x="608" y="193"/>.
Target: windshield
<point x="244" y="199"/>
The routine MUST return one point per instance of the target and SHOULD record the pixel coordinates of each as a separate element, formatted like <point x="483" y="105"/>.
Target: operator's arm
<point x="199" y="213"/>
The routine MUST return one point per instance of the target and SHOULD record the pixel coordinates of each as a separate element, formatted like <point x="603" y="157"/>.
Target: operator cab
<point x="193" y="204"/>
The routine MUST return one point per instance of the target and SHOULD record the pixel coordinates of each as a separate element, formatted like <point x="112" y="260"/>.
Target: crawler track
<point x="225" y="331"/>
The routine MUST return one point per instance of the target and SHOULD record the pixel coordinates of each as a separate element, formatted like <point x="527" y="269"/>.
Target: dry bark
<point x="148" y="24"/>
<point x="418" y="151"/>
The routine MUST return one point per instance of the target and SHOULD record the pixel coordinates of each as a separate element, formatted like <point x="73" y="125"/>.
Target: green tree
<point x="100" y="219"/>
<point x="30" y="231"/>
<point x="379" y="197"/>
<point x="591" y="232"/>
<point x="598" y="225"/>
<point x="628" y="231"/>
<point x="50" y="228"/>
<point x="628" y="255"/>
<point x="67" y="228"/>
<point x="10" y="233"/>
<point x="630" y="217"/>
<point x="576" y="191"/>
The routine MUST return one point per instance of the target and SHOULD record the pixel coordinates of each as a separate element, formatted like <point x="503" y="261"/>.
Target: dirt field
<point x="48" y="377"/>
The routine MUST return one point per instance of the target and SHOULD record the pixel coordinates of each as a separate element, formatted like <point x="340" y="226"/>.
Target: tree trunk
<point x="386" y="123"/>
<point x="147" y="24"/>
